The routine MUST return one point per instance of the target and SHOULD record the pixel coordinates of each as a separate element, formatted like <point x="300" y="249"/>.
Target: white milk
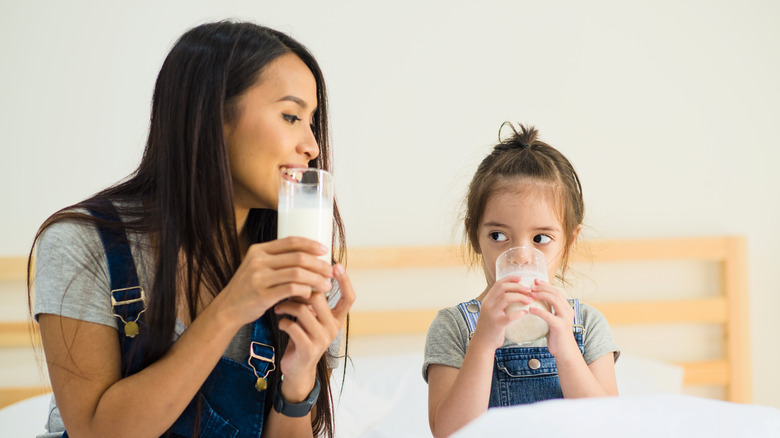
<point x="530" y="327"/>
<point x="312" y="223"/>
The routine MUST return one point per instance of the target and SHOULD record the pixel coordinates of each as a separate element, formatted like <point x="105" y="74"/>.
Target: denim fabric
<point x="230" y="405"/>
<point x="515" y="381"/>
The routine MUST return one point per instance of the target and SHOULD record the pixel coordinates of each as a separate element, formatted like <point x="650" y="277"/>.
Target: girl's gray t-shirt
<point x="72" y="280"/>
<point x="448" y="338"/>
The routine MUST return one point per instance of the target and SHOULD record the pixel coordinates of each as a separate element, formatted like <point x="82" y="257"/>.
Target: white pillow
<point x="638" y="375"/>
<point x="383" y="396"/>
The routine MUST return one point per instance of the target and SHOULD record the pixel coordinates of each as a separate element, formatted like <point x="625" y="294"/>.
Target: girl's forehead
<point x="525" y="190"/>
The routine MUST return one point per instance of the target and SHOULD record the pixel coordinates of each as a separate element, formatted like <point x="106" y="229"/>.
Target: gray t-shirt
<point x="448" y="338"/>
<point x="72" y="280"/>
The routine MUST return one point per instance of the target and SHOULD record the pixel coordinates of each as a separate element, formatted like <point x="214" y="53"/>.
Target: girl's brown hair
<point x="523" y="156"/>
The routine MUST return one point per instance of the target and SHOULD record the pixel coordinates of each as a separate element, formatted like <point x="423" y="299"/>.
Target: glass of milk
<point x="306" y="206"/>
<point x="528" y="264"/>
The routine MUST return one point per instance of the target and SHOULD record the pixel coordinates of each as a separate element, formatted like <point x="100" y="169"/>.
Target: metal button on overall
<point x="534" y="364"/>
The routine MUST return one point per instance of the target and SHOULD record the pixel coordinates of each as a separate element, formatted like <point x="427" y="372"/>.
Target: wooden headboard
<point x="727" y="307"/>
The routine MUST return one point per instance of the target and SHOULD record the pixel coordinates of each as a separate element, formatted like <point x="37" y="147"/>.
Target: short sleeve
<point x="446" y="341"/>
<point x="598" y="335"/>
<point x="71" y="274"/>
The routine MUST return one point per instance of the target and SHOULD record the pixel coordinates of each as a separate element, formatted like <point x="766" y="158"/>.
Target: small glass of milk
<point x="306" y="206"/>
<point x="528" y="264"/>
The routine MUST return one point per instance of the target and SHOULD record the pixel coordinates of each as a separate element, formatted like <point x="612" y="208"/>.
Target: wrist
<point x="294" y="408"/>
<point x="480" y="345"/>
<point x="295" y="390"/>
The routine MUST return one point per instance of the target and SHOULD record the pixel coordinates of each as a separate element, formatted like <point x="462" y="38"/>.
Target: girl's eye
<point x="291" y="118"/>
<point x="542" y="239"/>
<point x="498" y="236"/>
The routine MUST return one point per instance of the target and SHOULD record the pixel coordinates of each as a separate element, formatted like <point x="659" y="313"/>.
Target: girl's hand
<point x="561" y="340"/>
<point x="493" y="317"/>
<point x="272" y="272"/>
<point x="315" y="327"/>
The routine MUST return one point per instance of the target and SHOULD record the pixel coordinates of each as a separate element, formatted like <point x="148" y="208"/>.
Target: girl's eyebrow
<point x="548" y="229"/>
<point x="494" y="224"/>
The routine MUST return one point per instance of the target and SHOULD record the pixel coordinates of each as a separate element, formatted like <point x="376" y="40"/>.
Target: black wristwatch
<point x="301" y="409"/>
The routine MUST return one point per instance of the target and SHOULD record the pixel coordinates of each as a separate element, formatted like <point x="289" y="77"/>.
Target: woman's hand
<point x="494" y="317"/>
<point x="312" y="331"/>
<point x="560" y="319"/>
<point x="272" y="272"/>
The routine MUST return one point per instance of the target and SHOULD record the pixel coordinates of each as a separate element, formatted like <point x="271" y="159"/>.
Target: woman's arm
<point x="84" y="368"/>
<point x="84" y="358"/>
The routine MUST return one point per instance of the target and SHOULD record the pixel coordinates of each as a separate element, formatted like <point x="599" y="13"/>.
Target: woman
<point x="165" y="304"/>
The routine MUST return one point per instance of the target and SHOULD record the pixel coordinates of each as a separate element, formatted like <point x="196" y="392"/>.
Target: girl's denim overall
<point x="231" y="405"/>
<point x="523" y="374"/>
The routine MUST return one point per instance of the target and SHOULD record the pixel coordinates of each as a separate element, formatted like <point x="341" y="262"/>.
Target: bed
<point x="688" y="295"/>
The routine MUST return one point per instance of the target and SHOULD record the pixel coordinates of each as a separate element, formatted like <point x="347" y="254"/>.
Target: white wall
<point x="668" y="110"/>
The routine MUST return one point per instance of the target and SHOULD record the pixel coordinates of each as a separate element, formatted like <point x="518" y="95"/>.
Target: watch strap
<point x="296" y="410"/>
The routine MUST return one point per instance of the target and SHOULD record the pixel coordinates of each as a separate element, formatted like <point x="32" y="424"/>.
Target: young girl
<point x="525" y="193"/>
<point x="165" y="305"/>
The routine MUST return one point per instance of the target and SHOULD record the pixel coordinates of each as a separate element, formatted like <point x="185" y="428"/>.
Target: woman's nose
<point x="308" y="145"/>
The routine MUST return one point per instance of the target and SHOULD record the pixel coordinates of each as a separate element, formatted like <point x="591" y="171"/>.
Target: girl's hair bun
<point x="521" y="139"/>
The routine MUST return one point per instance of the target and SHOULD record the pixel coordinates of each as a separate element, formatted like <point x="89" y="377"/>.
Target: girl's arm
<point x="84" y="358"/>
<point x="577" y="378"/>
<point x="457" y="396"/>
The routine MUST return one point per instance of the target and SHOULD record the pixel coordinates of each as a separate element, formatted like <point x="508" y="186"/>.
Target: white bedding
<point x="384" y="396"/>
<point x="661" y="415"/>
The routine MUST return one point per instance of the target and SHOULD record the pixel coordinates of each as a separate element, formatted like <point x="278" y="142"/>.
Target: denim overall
<point x="231" y="404"/>
<point x="523" y="374"/>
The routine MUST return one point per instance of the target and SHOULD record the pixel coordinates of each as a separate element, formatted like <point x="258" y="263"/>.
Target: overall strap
<point x="262" y="356"/>
<point x="470" y="311"/>
<point x="577" y="306"/>
<point x="128" y="299"/>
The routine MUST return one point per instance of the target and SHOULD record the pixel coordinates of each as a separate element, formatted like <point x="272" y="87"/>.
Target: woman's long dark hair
<point x="181" y="194"/>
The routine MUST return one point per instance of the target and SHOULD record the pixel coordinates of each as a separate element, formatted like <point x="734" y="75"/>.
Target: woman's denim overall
<point x="523" y="374"/>
<point x="231" y="405"/>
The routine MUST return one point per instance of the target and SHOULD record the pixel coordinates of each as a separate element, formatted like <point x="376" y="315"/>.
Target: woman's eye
<point x="291" y="118"/>
<point x="542" y="239"/>
<point x="498" y="236"/>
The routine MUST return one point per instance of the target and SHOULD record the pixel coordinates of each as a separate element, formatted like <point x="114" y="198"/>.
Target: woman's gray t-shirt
<point x="72" y="280"/>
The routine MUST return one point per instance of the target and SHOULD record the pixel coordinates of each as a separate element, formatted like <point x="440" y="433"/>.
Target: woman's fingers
<point x="293" y="243"/>
<point x="295" y="259"/>
<point x="298" y="275"/>
<point x="348" y="296"/>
